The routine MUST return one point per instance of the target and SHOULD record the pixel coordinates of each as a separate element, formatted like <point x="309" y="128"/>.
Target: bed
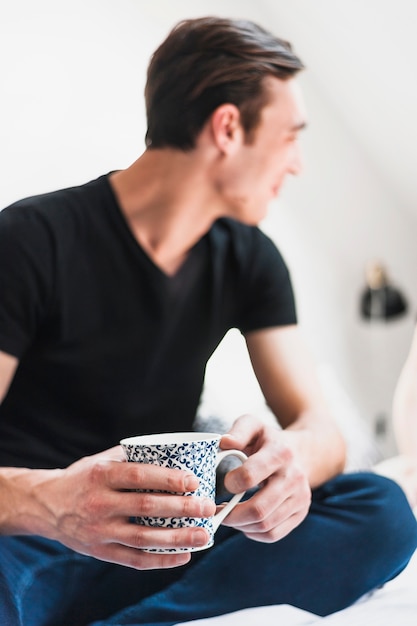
<point x="395" y="603"/>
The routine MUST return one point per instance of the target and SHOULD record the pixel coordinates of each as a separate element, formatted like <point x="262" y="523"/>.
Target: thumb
<point x="243" y="431"/>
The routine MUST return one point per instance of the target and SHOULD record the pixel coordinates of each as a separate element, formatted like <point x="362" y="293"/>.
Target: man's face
<point x="254" y="174"/>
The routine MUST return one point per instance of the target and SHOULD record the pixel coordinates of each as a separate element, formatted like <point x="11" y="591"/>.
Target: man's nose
<point x="295" y="164"/>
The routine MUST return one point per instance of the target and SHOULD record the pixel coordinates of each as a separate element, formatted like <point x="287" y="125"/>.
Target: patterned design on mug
<point x="196" y="456"/>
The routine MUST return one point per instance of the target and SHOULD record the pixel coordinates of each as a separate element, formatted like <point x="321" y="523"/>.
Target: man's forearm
<point x="22" y="510"/>
<point x="318" y="445"/>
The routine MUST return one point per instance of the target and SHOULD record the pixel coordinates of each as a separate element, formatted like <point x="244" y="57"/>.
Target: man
<point x="114" y="295"/>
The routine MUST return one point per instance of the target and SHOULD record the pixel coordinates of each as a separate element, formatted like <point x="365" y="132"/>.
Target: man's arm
<point x="286" y="373"/>
<point x="8" y="366"/>
<point x="87" y="506"/>
<point x="286" y="464"/>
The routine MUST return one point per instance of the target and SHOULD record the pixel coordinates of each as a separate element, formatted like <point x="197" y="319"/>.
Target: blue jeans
<point x="359" y="533"/>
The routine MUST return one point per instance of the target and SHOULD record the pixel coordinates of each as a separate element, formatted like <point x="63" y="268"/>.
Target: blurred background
<point x="72" y="76"/>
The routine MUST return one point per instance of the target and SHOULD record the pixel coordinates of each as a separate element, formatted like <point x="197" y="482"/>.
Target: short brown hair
<point x="206" y="62"/>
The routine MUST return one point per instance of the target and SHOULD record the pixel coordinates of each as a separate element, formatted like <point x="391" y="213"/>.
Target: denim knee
<point x="394" y="520"/>
<point x="378" y="508"/>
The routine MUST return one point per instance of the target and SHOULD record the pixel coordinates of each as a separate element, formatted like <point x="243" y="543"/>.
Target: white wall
<point x="356" y="200"/>
<point x="344" y="213"/>
<point x="72" y="78"/>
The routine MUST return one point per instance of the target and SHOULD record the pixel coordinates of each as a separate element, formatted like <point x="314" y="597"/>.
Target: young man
<point x="114" y="295"/>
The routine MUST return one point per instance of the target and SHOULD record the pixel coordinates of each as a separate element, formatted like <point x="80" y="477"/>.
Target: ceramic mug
<point x="191" y="451"/>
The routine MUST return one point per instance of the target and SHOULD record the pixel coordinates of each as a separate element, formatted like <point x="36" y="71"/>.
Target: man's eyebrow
<point x="299" y="126"/>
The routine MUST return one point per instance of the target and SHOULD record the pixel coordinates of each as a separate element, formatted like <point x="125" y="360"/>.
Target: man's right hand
<point x="88" y="507"/>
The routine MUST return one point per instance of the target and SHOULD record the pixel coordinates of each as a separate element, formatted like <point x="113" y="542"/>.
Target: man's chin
<point x="252" y="220"/>
<point x="252" y="216"/>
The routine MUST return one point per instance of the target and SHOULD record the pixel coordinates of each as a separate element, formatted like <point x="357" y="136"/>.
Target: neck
<point x="167" y="202"/>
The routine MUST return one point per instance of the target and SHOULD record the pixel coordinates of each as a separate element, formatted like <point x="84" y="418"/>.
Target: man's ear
<point x="226" y="128"/>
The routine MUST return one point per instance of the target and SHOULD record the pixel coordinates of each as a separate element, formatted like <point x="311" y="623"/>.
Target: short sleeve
<point x="268" y="298"/>
<point x="26" y="276"/>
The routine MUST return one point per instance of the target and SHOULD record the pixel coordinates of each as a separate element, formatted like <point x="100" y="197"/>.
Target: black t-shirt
<point x="109" y="345"/>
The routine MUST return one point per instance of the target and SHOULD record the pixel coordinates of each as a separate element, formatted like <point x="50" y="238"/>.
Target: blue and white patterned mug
<point x="192" y="451"/>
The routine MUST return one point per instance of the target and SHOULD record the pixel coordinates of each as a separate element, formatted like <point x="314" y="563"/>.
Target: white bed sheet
<point x="395" y="603"/>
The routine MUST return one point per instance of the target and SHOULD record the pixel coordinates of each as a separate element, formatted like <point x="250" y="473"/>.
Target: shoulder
<point x="51" y="210"/>
<point x="258" y="277"/>
<point x="248" y="244"/>
<point x="37" y="231"/>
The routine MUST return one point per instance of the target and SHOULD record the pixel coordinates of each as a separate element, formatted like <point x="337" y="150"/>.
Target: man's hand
<point x="88" y="505"/>
<point x="284" y="496"/>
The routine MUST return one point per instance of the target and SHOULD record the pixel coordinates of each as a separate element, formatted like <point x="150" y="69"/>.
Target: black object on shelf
<point x="381" y="300"/>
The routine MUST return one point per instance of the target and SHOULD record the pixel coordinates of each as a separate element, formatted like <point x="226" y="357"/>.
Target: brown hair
<point x="206" y="62"/>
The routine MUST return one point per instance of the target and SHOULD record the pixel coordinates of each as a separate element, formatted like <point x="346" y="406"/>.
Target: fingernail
<point x="207" y="507"/>
<point x="200" y="537"/>
<point x="182" y="558"/>
<point x="191" y="482"/>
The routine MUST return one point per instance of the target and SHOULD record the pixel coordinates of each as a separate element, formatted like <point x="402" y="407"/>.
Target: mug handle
<point x="219" y="517"/>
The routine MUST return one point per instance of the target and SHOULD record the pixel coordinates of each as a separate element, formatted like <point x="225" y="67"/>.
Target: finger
<point x="137" y="559"/>
<point x="277" y="492"/>
<point x="274" y="527"/>
<point x="133" y="504"/>
<point x="147" y="476"/>
<point x="280" y="531"/>
<point x="112" y="454"/>
<point x="256" y="509"/>
<point x="270" y="456"/>
<point x="145" y="537"/>
<point x="260" y="517"/>
<point x="242" y="433"/>
<point x="270" y="508"/>
<point x="270" y="460"/>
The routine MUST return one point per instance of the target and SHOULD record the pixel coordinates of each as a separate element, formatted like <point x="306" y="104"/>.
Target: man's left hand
<point x="284" y="495"/>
